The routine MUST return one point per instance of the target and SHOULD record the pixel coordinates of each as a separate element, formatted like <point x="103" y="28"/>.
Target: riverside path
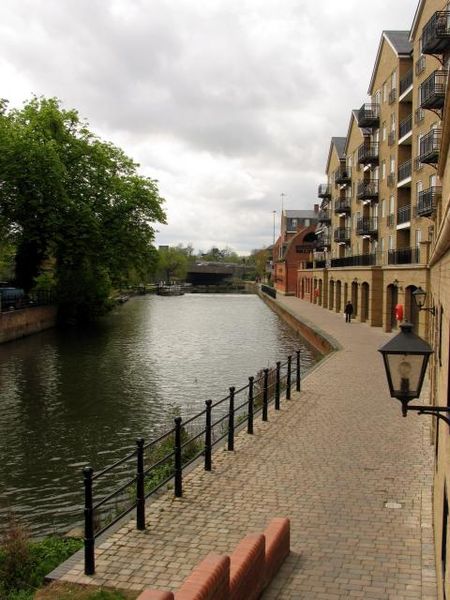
<point x="338" y="459"/>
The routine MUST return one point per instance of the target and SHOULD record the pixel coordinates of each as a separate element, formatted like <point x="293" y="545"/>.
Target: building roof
<point x="416" y="19"/>
<point x="339" y="143"/>
<point x="354" y="117"/>
<point x="300" y="214"/>
<point x="400" y="44"/>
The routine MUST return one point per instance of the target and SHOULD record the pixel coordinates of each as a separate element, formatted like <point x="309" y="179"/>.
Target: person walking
<point x="348" y="312"/>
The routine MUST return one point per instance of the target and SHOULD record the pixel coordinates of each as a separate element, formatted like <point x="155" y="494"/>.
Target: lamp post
<point x="405" y="359"/>
<point x="419" y="296"/>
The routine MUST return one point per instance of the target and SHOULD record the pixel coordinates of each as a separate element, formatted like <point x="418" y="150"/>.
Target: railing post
<point x="231" y="420"/>
<point x="178" y="461"/>
<point x="277" y="386"/>
<point x="288" y="379"/>
<point x="265" y="394"/>
<point x="208" y="449"/>
<point x="89" y="539"/>
<point x="140" y="491"/>
<point x="250" y="405"/>
<point x="297" y="387"/>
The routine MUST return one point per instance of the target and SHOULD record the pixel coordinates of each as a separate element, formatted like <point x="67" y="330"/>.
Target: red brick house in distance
<point x="294" y="246"/>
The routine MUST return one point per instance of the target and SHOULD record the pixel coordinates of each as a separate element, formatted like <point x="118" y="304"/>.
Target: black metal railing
<point x="324" y="216"/>
<point x="403" y="256"/>
<point x="270" y="291"/>
<point x="324" y="190"/>
<point x="360" y="260"/>
<point x="149" y="467"/>
<point x="420" y="65"/>
<point x="368" y="153"/>
<point x="405" y="127"/>
<point x="323" y="240"/>
<point x="367" y="226"/>
<point x="427" y="199"/>
<point x="369" y="115"/>
<point x="430" y="146"/>
<point x="343" y="205"/>
<point x="367" y="190"/>
<point x="406" y="82"/>
<point x="404" y="170"/>
<point x="419" y="115"/>
<point x="390" y="220"/>
<point x="14" y="301"/>
<point x="342" y="234"/>
<point x="343" y="174"/>
<point x="321" y="264"/>
<point x="436" y="33"/>
<point x="404" y="214"/>
<point x="432" y="90"/>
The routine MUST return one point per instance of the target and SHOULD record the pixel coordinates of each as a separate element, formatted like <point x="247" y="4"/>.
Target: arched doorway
<point x="345" y="293"/>
<point x="411" y="310"/>
<point x="338" y="296"/>
<point x="355" y="298"/>
<point x="331" y="295"/>
<point x="320" y="292"/>
<point x="391" y="303"/>
<point x="364" y="302"/>
<point x="314" y="293"/>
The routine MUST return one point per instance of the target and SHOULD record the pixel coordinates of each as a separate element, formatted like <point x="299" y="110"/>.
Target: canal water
<point x="74" y="397"/>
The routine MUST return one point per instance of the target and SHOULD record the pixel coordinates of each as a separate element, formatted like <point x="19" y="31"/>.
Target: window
<point x="383" y="170"/>
<point x="307" y="222"/>
<point x="385" y="92"/>
<point x="391" y="205"/>
<point x="383" y="129"/>
<point x="382" y="244"/>
<point x="419" y="188"/>
<point x="383" y="208"/>
<point x="418" y="237"/>
<point x="390" y="243"/>
<point x="394" y="80"/>
<point x="392" y="165"/>
<point x="392" y="127"/>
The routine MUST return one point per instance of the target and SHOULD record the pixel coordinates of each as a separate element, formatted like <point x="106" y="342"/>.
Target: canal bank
<point x="336" y="460"/>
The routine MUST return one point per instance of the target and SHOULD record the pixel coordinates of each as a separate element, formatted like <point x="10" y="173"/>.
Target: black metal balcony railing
<point x="361" y="260"/>
<point x="391" y="179"/>
<point x="391" y="138"/>
<point x="343" y="174"/>
<point x="404" y="170"/>
<point x="367" y="190"/>
<point x="405" y="127"/>
<point x="390" y="220"/>
<point x="417" y="164"/>
<point x="320" y="264"/>
<point x="426" y="202"/>
<point x="324" y="190"/>
<point x="324" y="216"/>
<point x="367" y="226"/>
<point x="368" y="153"/>
<point x="406" y="82"/>
<point x="369" y="116"/>
<point x="419" y="116"/>
<point x="403" y="256"/>
<point x="430" y="145"/>
<point x="343" y="206"/>
<point x="342" y="234"/>
<point x="432" y="90"/>
<point x="436" y="33"/>
<point x="323" y="240"/>
<point x="392" y="96"/>
<point x="420" y="65"/>
<point x="404" y="214"/>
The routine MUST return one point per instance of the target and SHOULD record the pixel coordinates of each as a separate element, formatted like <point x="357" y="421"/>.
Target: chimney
<point x="316" y="208"/>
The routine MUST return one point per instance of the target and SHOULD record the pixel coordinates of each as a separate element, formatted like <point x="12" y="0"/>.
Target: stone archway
<point x="391" y="303"/>
<point x="320" y="292"/>
<point x="364" y="302"/>
<point x="345" y="293"/>
<point x="338" y="296"/>
<point x="331" y="295"/>
<point x="355" y="298"/>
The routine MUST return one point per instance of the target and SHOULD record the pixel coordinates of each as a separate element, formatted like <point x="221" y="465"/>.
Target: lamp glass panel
<point x="405" y="372"/>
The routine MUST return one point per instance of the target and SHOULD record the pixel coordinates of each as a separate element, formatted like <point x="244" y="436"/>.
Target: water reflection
<point x="73" y="397"/>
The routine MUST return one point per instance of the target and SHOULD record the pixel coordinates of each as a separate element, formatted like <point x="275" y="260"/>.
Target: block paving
<point x="330" y="460"/>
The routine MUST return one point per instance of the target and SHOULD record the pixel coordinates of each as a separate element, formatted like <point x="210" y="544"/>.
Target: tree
<point x="173" y="263"/>
<point x="221" y="255"/>
<point x="69" y="196"/>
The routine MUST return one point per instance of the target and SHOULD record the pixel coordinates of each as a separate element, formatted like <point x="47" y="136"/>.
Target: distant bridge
<point x="211" y="273"/>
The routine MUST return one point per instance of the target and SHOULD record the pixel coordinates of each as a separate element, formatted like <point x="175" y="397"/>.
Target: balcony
<point x="368" y="154"/>
<point x="361" y="260"/>
<point x="432" y="90"/>
<point x="405" y="128"/>
<point x="404" y="172"/>
<point x="367" y="226"/>
<point x="367" y="190"/>
<point x="343" y="206"/>
<point x="342" y="235"/>
<point x="324" y="190"/>
<point x="404" y="215"/>
<point x="419" y="116"/>
<point x="406" y="82"/>
<point x="403" y="256"/>
<point x="323" y="240"/>
<point x="369" y="116"/>
<point x="343" y="175"/>
<point x="426" y="202"/>
<point x="430" y="145"/>
<point x="436" y="33"/>
<point x="324" y="217"/>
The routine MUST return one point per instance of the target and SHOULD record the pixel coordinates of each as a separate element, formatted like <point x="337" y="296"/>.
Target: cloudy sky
<point x="228" y="103"/>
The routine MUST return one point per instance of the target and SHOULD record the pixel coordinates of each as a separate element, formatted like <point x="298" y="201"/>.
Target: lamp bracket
<point x="432" y="410"/>
<point x="432" y="310"/>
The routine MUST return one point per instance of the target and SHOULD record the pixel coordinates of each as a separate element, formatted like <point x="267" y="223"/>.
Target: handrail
<point x="183" y="449"/>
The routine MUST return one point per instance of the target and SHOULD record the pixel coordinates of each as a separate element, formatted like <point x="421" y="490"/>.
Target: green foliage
<point x="173" y="263"/>
<point x="24" y="564"/>
<point x="221" y="255"/>
<point x="67" y="195"/>
<point x="45" y="282"/>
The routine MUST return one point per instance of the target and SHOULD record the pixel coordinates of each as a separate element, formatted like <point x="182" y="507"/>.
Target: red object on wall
<point x="316" y="292"/>
<point x="399" y="312"/>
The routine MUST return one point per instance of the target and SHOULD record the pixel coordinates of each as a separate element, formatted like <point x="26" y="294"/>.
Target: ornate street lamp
<point x="405" y="359"/>
<point x="419" y="296"/>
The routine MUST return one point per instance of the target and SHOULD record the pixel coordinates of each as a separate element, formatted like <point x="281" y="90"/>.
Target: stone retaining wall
<point x="19" y="323"/>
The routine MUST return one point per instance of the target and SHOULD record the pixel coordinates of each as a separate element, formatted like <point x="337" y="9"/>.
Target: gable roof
<point x="300" y="214"/>
<point x="364" y="130"/>
<point x="339" y="143"/>
<point x="400" y="44"/>
<point x="416" y="19"/>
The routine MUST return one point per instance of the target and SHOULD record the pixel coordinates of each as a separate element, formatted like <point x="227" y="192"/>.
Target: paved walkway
<point x="330" y="460"/>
